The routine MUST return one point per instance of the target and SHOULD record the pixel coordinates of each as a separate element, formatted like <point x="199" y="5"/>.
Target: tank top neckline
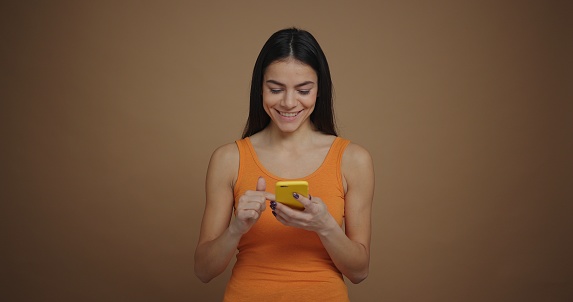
<point x="329" y="154"/>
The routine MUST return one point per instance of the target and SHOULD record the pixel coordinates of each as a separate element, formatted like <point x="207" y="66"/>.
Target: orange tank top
<point x="280" y="263"/>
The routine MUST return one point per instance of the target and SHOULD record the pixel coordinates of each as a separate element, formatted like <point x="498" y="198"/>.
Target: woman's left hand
<point x="315" y="216"/>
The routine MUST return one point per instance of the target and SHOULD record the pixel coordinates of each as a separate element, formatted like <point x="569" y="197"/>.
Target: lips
<point x="289" y="114"/>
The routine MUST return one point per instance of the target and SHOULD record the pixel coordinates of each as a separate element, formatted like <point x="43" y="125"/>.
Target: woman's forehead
<point x="289" y="69"/>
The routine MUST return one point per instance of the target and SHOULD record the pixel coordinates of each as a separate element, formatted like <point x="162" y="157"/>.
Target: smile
<point x="289" y="114"/>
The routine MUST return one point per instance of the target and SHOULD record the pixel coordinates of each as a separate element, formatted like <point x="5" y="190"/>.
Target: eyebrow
<point x="297" y="85"/>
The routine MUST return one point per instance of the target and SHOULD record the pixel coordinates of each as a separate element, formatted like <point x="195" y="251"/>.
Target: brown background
<point x="110" y="111"/>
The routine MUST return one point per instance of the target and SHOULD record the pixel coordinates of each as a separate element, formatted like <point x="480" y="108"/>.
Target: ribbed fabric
<point x="281" y="263"/>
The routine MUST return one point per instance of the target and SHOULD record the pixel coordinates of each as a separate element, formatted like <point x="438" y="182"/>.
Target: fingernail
<point x="273" y="205"/>
<point x="309" y="197"/>
<point x="274" y="214"/>
<point x="295" y="195"/>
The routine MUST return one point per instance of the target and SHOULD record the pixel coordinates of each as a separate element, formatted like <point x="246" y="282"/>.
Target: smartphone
<point x="284" y="190"/>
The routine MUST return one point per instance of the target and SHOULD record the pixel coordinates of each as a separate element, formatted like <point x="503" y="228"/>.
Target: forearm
<point x="350" y="257"/>
<point x="212" y="257"/>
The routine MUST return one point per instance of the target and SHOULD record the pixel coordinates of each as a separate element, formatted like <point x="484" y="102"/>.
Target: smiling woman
<point x="287" y="254"/>
<point x="289" y="94"/>
<point x="298" y="46"/>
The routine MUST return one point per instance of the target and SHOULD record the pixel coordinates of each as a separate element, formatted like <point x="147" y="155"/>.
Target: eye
<point x="276" y="91"/>
<point x="304" y="92"/>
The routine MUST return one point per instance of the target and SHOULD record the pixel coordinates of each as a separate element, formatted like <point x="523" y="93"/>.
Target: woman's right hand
<point x="250" y="207"/>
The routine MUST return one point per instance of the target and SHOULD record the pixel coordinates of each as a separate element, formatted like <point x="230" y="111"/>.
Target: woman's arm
<point x="217" y="242"/>
<point x="350" y="252"/>
<point x="220" y="234"/>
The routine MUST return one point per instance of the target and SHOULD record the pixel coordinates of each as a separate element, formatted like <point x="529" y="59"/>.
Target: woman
<point x="286" y="254"/>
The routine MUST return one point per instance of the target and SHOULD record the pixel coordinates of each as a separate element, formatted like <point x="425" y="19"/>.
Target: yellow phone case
<point x="284" y="190"/>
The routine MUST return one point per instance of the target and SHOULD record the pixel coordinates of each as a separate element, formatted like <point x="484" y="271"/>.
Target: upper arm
<point x="358" y="172"/>
<point x="221" y="176"/>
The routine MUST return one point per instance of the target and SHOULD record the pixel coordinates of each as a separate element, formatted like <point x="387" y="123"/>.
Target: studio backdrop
<point x="110" y="111"/>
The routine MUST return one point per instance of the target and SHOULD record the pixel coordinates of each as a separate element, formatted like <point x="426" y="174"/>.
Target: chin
<point x="288" y="129"/>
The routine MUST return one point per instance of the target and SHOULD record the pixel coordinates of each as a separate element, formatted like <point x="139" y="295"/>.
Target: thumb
<point x="261" y="184"/>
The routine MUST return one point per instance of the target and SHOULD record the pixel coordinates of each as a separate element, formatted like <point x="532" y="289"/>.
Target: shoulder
<point x="355" y="154"/>
<point x="227" y="152"/>
<point x="357" y="164"/>
<point x="224" y="163"/>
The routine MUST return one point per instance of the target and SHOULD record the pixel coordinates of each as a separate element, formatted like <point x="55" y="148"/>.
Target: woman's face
<point x="289" y="93"/>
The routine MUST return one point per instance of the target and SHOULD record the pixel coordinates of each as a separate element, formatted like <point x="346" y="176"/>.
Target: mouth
<point x="289" y="114"/>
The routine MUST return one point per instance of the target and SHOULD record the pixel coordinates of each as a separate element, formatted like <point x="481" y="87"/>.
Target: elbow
<point x="360" y="273"/>
<point x="358" y="277"/>
<point x="205" y="278"/>
<point x="206" y="269"/>
<point x="202" y="272"/>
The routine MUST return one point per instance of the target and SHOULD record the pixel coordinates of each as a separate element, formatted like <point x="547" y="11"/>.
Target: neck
<point x="302" y="136"/>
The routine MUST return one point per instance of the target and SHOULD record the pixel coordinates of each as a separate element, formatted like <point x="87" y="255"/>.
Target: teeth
<point x="289" y="114"/>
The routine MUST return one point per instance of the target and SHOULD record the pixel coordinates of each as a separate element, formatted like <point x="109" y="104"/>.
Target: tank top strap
<point x="337" y="149"/>
<point x="248" y="170"/>
<point x="333" y="161"/>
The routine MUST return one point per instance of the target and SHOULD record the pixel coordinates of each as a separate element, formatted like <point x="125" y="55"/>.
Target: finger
<point x="279" y="213"/>
<point x="279" y="218"/>
<point x="304" y="200"/>
<point x="261" y="184"/>
<point x="252" y="196"/>
<point x="258" y="205"/>
<point x="251" y="210"/>
<point x="270" y="196"/>
<point x="249" y="214"/>
<point x="286" y="211"/>
<point x="286" y="215"/>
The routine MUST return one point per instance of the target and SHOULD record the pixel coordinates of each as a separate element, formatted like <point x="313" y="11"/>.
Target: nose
<point x="289" y="100"/>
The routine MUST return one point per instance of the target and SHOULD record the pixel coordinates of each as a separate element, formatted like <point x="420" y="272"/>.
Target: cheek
<point x="269" y="98"/>
<point x="310" y="101"/>
<point x="267" y="103"/>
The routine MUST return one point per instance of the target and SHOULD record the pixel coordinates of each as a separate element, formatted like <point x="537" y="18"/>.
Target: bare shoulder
<point x="224" y="163"/>
<point x="357" y="167"/>
<point x="356" y="156"/>
<point x="227" y="153"/>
